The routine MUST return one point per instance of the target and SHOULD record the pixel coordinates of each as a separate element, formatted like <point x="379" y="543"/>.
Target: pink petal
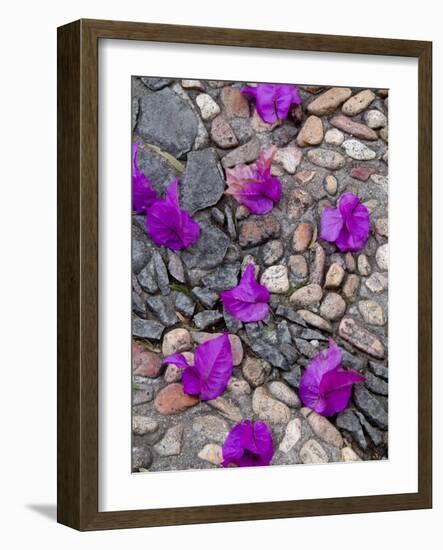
<point x="191" y="381"/>
<point x="143" y="195"/>
<point x="331" y="223"/>
<point x="248" y="445"/>
<point x="265" y="102"/>
<point x="176" y="359"/>
<point x="213" y="361"/>
<point x="336" y="388"/>
<point x="249" y="300"/>
<point x="285" y="96"/>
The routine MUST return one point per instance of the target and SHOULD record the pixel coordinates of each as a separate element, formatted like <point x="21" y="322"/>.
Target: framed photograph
<point x="244" y="275"/>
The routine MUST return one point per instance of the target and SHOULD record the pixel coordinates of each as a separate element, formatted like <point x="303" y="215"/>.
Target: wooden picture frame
<point x="78" y="274"/>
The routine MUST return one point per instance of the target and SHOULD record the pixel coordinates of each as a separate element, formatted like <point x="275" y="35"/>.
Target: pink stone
<point x="356" y="129"/>
<point x="361" y="173"/>
<point x="172" y="400"/>
<point x="235" y="102"/>
<point x="144" y="362"/>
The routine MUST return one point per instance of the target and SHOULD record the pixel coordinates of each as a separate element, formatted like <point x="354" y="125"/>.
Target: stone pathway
<point x="336" y="142"/>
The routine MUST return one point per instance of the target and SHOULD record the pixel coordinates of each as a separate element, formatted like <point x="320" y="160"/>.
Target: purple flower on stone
<point x="253" y="186"/>
<point x="248" y="444"/>
<point x="143" y="195"/>
<point x="273" y="101"/>
<point x="212" y="368"/>
<point x="348" y="225"/>
<point x="168" y="225"/>
<point x="249" y="300"/>
<point x="325" y="386"/>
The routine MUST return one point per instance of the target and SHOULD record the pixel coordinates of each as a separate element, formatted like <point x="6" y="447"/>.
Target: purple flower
<point x="325" y="386"/>
<point x="212" y="368"/>
<point x="348" y="225"/>
<point x="248" y="444"/>
<point x="273" y="101"/>
<point x="253" y="186"/>
<point x="168" y="225"/>
<point x="143" y="195"/>
<point x="249" y="300"/>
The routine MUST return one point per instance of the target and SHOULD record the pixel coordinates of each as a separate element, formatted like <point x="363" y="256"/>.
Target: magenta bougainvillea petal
<point x="346" y="226"/>
<point x="273" y="101"/>
<point x="325" y="386"/>
<point x="249" y="300"/>
<point x="143" y="195"/>
<point x="212" y="368"/>
<point x="248" y="444"/>
<point x="168" y="225"/>
<point x="253" y="186"/>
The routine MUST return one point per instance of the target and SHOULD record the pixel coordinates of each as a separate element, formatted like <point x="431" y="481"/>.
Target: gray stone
<point x="379" y="369"/>
<point x="232" y="324"/>
<point x="310" y="334"/>
<point x="325" y="430"/>
<point x="375" y="435"/>
<point x="206" y="319"/>
<point x="289" y="352"/>
<point x="162" y="308"/>
<point x="333" y="306"/>
<point x="211" y="427"/>
<point x="283" y="333"/>
<point x="167" y="120"/>
<point x="291" y="315"/>
<point x="275" y="279"/>
<point x="184" y="304"/>
<point x="292" y="435"/>
<point x="305" y="348"/>
<point x="140" y="255"/>
<point x="175" y="266"/>
<point x="142" y="425"/>
<point x="293" y="377"/>
<point x="256" y="371"/>
<point x="147" y="279"/>
<point x="269" y="409"/>
<point x="147" y="329"/>
<point x="348" y="421"/>
<point x="283" y="393"/>
<point x="271" y="252"/>
<point x="154" y="83"/>
<point x="218" y="216"/>
<point x="223" y="278"/>
<point x="375" y="119"/>
<point x="382" y="257"/>
<point x="306" y="296"/>
<point x="171" y="443"/>
<point x="270" y="353"/>
<point x="158" y="167"/>
<point x="226" y="408"/>
<point x="205" y="296"/>
<point x="203" y="183"/>
<point x="326" y="158"/>
<point x="161" y="274"/>
<point x="376" y="384"/>
<point x="209" y="250"/>
<point x="315" y="320"/>
<point x="230" y="224"/>
<point x="141" y="457"/>
<point x="313" y="453"/>
<point x="244" y="154"/>
<point x="371" y="406"/>
<point x="372" y="312"/>
<point x="354" y="362"/>
<point x="358" y="150"/>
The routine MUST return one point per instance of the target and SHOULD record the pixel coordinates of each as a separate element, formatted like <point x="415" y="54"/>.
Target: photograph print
<point x="259" y="274"/>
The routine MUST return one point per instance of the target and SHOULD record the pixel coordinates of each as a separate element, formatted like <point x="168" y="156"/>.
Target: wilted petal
<point x="331" y="223"/>
<point x="248" y="445"/>
<point x="325" y="387"/>
<point x="249" y="300"/>
<point x="143" y="195"/>
<point x="168" y="225"/>
<point x="191" y="381"/>
<point x="213" y="361"/>
<point x="273" y="101"/>
<point x="253" y="186"/>
<point x="176" y="359"/>
<point x="346" y="226"/>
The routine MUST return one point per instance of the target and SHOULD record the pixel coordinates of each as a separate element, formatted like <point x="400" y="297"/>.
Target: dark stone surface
<point x="184" y="304"/>
<point x="161" y="306"/>
<point x="372" y="407"/>
<point x="147" y="329"/>
<point x="232" y="324"/>
<point x="140" y="255"/>
<point x="379" y="369"/>
<point x="293" y="376"/>
<point x="161" y="273"/>
<point x="351" y="361"/>
<point x="305" y="348"/>
<point x="206" y="319"/>
<point x="159" y="172"/>
<point x="205" y="296"/>
<point x="269" y="353"/>
<point x="376" y="384"/>
<point x="290" y="314"/>
<point x="166" y="120"/>
<point x="203" y="182"/>
<point x="223" y="278"/>
<point x="349" y="422"/>
<point x="141" y="457"/>
<point x="374" y="434"/>
<point x="209" y="250"/>
<point x="147" y="279"/>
